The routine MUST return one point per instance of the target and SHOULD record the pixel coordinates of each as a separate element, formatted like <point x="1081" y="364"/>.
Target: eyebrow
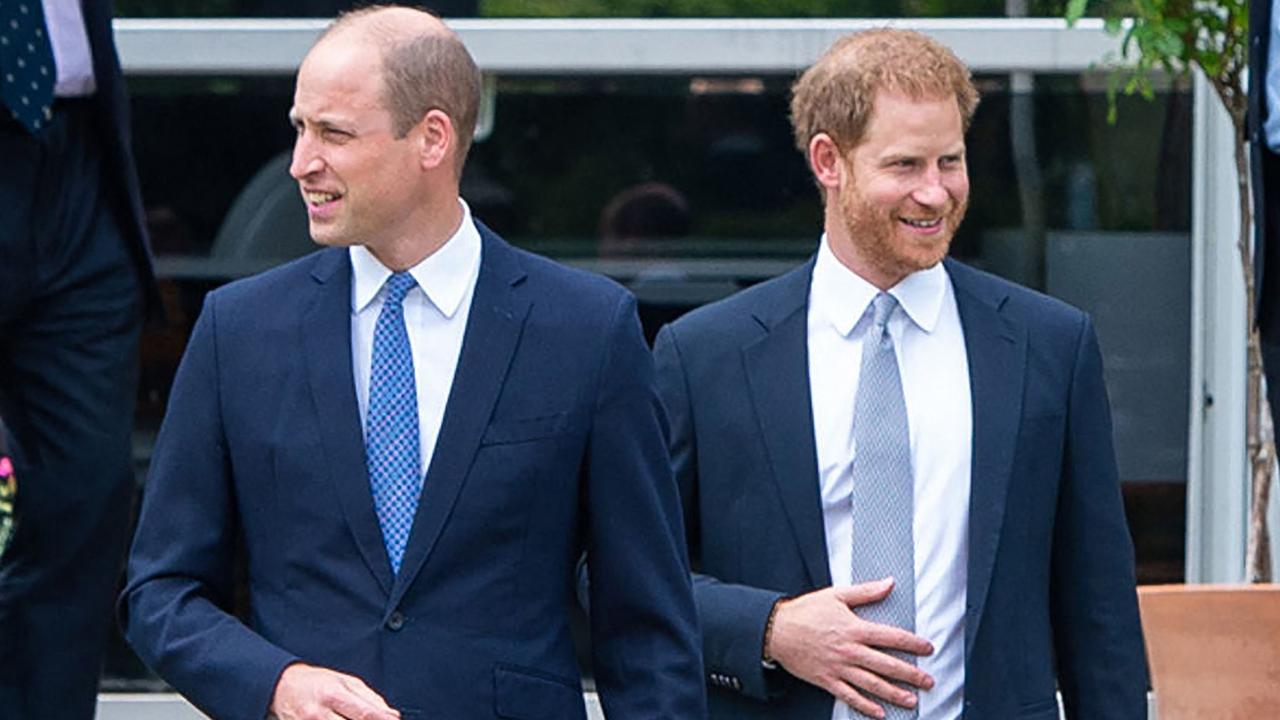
<point x="325" y="123"/>
<point x="958" y="151"/>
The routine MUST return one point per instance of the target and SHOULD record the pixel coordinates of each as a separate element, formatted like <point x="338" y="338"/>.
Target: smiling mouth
<point x="922" y="224"/>
<point x="320" y="198"/>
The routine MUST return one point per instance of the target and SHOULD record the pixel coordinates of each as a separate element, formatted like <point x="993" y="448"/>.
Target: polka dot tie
<point x="391" y="427"/>
<point x="27" y="72"/>
<point x="883" y="492"/>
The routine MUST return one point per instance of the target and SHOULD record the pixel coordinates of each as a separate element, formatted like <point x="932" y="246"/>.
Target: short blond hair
<point x="836" y="94"/>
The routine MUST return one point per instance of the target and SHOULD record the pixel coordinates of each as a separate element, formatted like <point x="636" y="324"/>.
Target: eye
<point x="335" y="135"/>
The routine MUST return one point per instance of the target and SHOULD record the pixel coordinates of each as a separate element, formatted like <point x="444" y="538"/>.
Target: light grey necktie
<point x="882" y="486"/>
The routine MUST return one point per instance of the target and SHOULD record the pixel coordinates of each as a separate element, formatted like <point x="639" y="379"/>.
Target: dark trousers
<point x="70" y="319"/>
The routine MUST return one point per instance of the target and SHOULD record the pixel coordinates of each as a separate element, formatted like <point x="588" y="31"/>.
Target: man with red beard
<point x="899" y="485"/>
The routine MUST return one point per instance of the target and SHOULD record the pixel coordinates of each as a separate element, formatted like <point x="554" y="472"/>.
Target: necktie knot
<point x="882" y="307"/>
<point x="399" y="285"/>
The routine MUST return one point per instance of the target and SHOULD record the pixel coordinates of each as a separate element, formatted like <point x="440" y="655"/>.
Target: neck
<point x="407" y="252"/>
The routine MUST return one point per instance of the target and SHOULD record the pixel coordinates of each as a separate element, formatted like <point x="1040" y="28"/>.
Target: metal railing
<point x="528" y="47"/>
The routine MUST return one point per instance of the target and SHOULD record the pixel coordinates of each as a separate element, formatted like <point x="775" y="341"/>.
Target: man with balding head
<point x="413" y="434"/>
<point x="897" y="471"/>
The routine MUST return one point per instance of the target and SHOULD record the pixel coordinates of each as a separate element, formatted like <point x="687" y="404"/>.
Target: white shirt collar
<point x="842" y="296"/>
<point x="444" y="275"/>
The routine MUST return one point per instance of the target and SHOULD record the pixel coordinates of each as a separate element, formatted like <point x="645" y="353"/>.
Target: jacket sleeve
<point x="732" y="616"/>
<point x="1102" y="669"/>
<point x="174" y="608"/>
<point x="643" y="622"/>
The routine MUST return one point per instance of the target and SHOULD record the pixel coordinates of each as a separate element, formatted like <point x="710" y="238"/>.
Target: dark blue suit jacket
<point x="1051" y="576"/>
<point x="111" y="108"/>
<point x="552" y="444"/>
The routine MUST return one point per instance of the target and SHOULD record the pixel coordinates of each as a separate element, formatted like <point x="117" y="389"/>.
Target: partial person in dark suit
<point x="897" y="471"/>
<point x="1264" y="167"/>
<point x="75" y="276"/>
<point x="413" y="434"/>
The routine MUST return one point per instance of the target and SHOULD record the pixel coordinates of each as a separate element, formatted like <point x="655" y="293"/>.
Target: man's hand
<point x="818" y="638"/>
<point x="306" y="692"/>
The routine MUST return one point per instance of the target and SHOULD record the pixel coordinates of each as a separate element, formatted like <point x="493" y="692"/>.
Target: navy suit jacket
<point x="552" y="444"/>
<point x="111" y="109"/>
<point x="1051" y="597"/>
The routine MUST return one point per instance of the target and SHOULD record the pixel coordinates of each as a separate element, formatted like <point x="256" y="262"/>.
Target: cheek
<point x="347" y="169"/>
<point x="958" y="188"/>
<point x="377" y="180"/>
<point x="883" y="197"/>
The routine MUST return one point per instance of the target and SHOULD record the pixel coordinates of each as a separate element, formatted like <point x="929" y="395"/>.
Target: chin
<point x="925" y="258"/>
<point x="329" y="239"/>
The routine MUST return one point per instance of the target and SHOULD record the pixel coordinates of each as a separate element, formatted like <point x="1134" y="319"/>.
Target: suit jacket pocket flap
<point x="523" y="429"/>
<point x="521" y="694"/>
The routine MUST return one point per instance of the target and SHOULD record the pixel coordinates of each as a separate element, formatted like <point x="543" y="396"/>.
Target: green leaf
<point x="1168" y="44"/>
<point x="1075" y="11"/>
<point x="1210" y="63"/>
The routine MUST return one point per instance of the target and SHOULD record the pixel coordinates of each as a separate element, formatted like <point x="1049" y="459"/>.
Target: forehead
<point x="900" y="122"/>
<point x="340" y="74"/>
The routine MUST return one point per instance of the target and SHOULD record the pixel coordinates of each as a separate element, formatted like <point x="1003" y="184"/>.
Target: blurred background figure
<point x="75" y="277"/>
<point x="8" y="491"/>
<point x="644" y="212"/>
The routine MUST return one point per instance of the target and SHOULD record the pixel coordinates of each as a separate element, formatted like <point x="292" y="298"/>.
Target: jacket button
<point x="396" y="621"/>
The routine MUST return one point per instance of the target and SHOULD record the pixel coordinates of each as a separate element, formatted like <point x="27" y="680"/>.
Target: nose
<point x="931" y="192"/>
<point x="306" y="161"/>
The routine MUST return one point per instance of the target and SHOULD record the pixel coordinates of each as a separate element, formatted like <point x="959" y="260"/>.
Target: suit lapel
<point x="496" y="319"/>
<point x="996" y="347"/>
<point x="326" y="336"/>
<point x="777" y="368"/>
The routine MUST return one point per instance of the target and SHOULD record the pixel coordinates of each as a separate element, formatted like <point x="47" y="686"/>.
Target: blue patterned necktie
<point x="391" y="427"/>
<point x="883" y="493"/>
<point x="27" y="72"/>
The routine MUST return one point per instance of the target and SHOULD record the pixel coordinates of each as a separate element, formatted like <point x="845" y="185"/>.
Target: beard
<point x="881" y="240"/>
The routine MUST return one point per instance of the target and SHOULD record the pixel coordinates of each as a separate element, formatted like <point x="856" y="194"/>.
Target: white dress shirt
<point x="929" y="343"/>
<point x="70" y="43"/>
<point x="435" y="315"/>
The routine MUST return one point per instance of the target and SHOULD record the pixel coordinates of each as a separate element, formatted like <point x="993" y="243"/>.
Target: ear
<point x="436" y="140"/>
<point x="825" y="160"/>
